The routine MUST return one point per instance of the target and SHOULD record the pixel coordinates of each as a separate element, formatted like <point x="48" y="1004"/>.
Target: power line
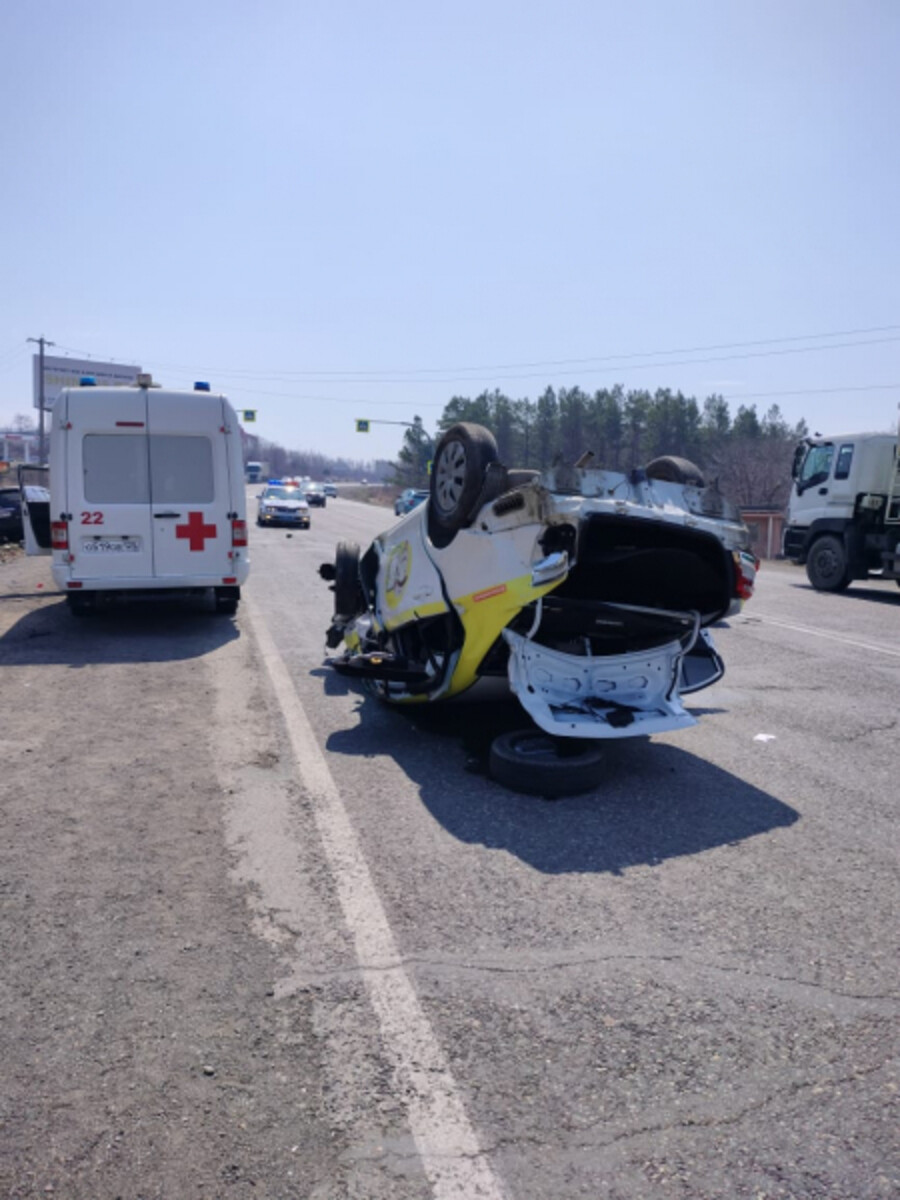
<point x="867" y="387"/>
<point x="378" y="375"/>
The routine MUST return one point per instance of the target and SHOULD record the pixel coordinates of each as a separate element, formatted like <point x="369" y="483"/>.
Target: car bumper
<point x="627" y="695"/>
<point x="283" y="519"/>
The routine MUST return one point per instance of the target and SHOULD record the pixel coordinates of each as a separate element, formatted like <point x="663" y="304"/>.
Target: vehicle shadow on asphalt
<point x="652" y="801"/>
<point x="138" y="631"/>
<point x="879" y="595"/>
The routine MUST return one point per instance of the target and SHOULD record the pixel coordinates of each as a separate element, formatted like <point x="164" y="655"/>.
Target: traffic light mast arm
<point x="362" y="426"/>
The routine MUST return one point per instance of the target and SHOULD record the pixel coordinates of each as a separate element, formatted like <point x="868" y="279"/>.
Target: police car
<point x="282" y="503"/>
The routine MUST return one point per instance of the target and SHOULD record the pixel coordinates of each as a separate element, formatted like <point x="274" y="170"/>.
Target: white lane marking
<point x="823" y="633"/>
<point x="452" y="1158"/>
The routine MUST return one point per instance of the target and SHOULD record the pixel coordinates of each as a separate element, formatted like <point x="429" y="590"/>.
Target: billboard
<point x="61" y="373"/>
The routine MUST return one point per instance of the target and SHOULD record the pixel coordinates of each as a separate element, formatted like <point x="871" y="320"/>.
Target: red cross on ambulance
<point x="196" y="531"/>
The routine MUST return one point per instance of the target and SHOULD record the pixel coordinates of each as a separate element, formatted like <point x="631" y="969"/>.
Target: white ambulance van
<point x="146" y="495"/>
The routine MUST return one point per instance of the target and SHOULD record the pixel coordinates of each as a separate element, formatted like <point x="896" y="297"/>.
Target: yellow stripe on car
<point x="484" y="614"/>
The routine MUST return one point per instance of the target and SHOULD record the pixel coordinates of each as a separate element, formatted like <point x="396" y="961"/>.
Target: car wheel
<point x="462" y="456"/>
<point x="346" y="579"/>
<point x="826" y="565"/>
<point x="531" y="761"/>
<point x="668" y="468"/>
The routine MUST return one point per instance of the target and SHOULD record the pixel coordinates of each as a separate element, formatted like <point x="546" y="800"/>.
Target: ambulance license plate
<point x="111" y="545"/>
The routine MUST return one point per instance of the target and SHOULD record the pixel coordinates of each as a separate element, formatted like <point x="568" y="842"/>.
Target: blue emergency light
<point x="201" y="386"/>
<point x="87" y="381"/>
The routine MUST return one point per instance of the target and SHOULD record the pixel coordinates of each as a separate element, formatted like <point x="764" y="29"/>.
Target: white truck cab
<point x="844" y="509"/>
<point x="146" y="495"/>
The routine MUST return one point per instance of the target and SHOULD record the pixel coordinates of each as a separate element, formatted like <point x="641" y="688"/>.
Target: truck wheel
<point x="532" y="761"/>
<point x="346" y="580"/>
<point x="826" y="565"/>
<point x="668" y="468"/>
<point x="462" y="456"/>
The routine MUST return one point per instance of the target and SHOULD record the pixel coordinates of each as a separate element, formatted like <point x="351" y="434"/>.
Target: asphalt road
<point x="402" y="980"/>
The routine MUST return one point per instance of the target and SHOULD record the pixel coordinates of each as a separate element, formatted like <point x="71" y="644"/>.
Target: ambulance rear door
<point x="105" y="459"/>
<point x="190" y="487"/>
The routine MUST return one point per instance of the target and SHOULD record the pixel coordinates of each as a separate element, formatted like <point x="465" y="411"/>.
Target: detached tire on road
<point x="531" y="761"/>
<point x="460" y="460"/>
<point x="826" y="565"/>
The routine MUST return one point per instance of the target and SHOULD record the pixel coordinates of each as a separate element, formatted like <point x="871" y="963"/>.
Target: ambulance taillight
<point x="59" y="535"/>
<point x="239" y="533"/>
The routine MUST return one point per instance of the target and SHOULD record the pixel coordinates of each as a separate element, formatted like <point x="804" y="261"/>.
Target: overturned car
<point x="589" y="591"/>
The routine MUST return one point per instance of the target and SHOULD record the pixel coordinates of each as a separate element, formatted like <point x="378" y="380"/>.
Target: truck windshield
<point x="816" y="466"/>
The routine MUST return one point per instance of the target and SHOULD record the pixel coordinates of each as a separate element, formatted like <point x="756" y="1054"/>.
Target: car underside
<point x="590" y="591"/>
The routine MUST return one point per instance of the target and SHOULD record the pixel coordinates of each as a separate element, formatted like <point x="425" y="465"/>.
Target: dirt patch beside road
<point x="144" y="1052"/>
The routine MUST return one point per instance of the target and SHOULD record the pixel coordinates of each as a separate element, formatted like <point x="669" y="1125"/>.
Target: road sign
<point x="362" y="426"/>
<point x="248" y="414"/>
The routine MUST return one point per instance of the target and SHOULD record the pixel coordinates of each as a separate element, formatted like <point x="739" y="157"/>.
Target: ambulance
<point x="146" y="496"/>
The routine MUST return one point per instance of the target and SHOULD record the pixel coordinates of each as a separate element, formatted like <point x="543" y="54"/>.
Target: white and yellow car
<point x="589" y="591"/>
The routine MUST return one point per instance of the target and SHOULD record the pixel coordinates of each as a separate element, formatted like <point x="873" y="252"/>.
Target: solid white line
<point x="823" y="633"/>
<point x="454" y="1163"/>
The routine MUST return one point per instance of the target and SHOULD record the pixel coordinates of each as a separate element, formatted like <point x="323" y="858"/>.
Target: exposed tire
<point x="531" y="761"/>
<point x="346" y="579"/>
<point x="227" y="599"/>
<point x="826" y="564"/>
<point x="668" y="468"/>
<point x="520" y="477"/>
<point x="460" y="460"/>
<point x="79" y="604"/>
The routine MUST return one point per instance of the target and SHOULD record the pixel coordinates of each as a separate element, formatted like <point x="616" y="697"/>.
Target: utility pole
<point x="41" y="342"/>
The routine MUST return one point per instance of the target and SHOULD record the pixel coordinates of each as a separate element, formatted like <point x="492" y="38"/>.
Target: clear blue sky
<point x="349" y="210"/>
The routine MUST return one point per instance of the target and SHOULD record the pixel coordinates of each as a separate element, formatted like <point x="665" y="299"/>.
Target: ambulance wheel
<point x="79" y="604"/>
<point x="227" y="600"/>
<point x="531" y="761"/>
<point x="462" y="456"/>
<point x="346" y="580"/>
<point x="669" y="468"/>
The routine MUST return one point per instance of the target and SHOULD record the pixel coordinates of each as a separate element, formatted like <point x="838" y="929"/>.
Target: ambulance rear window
<point x="116" y="468"/>
<point x="181" y="469"/>
<point x="136" y="469"/>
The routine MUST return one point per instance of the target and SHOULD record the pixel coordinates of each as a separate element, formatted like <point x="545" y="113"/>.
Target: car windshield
<point x="282" y="493"/>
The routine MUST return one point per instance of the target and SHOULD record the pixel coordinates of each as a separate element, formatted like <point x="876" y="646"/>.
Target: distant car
<point x="10" y="515"/>
<point x="330" y="490"/>
<point x="408" y="499"/>
<point x="282" y="504"/>
<point x="315" y="495"/>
